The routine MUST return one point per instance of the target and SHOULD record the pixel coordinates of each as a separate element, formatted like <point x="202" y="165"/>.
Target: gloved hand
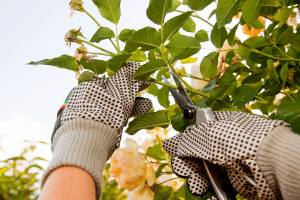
<point x="232" y="142"/>
<point x="89" y="126"/>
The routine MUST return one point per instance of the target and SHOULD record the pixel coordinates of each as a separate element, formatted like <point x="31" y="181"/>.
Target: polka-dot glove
<point x="109" y="101"/>
<point x="231" y="142"/>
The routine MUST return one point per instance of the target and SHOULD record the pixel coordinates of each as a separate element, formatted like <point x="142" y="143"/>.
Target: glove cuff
<point x="85" y="144"/>
<point x="279" y="161"/>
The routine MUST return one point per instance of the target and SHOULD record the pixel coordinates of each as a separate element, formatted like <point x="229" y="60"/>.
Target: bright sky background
<point x="31" y="95"/>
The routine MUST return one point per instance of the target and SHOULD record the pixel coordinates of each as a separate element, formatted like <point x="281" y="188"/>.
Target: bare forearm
<point x="69" y="183"/>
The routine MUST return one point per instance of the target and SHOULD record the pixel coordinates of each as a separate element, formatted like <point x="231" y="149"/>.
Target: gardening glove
<point x="89" y="125"/>
<point x="232" y="141"/>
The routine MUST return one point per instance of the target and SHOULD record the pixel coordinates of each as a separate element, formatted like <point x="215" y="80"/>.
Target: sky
<point x="31" y="95"/>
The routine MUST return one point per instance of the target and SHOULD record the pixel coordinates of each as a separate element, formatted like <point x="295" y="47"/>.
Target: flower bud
<point x="69" y="37"/>
<point x="76" y="5"/>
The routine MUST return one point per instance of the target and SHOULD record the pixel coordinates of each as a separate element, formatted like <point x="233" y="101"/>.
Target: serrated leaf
<point x="97" y="66"/>
<point x="175" y="5"/>
<point x="188" y="60"/>
<point x="231" y="35"/>
<point x="159" y="170"/>
<point x="148" y="121"/>
<point x="156" y="151"/>
<point x="215" y="94"/>
<point x="63" y="61"/>
<point x="218" y="36"/>
<point x="147" y="38"/>
<point x="125" y="34"/>
<point x="251" y="10"/>
<point x="115" y="63"/>
<point x="157" y="10"/>
<point x="244" y="94"/>
<point x="284" y="72"/>
<point x="181" y="46"/>
<point x="174" y="24"/>
<point x="149" y="68"/>
<point x="101" y="34"/>
<point x="137" y="56"/>
<point x="226" y="9"/>
<point x="202" y="36"/>
<point x="189" y="25"/>
<point x="199" y="4"/>
<point x="163" y="193"/>
<point x="208" y="65"/>
<point x="163" y="97"/>
<point x="152" y="89"/>
<point x="289" y="111"/>
<point x="109" y="9"/>
<point x="179" y="122"/>
<point x="86" y="76"/>
<point x="273" y="76"/>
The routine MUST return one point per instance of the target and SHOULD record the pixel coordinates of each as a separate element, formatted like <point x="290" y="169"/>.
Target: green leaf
<point x="86" y="76"/>
<point x="284" y="72"/>
<point x="148" y="121"/>
<point x="226" y="9"/>
<point x="101" y="34"/>
<point x="149" y="68"/>
<point x="174" y="24"/>
<point x="156" y="151"/>
<point x="273" y="76"/>
<point x="296" y="41"/>
<point x="159" y="170"/>
<point x="163" y="193"/>
<point x="229" y="56"/>
<point x="188" y="60"/>
<point x="252" y="43"/>
<point x="97" y="66"/>
<point x="175" y="5"/>
<point x="244" y="94"/>
<point x="179" y="122"/>
<point x="147" y="38"/>
<point x="231" y="35"/>
<point x="286" y="36"/>
<point x="212" y="13"/>
<point x="251" y="10"/>
<point x="109" y="9"/>
<point x="189" y="25"/>
<point x="216" y="93"/>
<point x="218" y="36"/>
<point x="289" y="111"/>
<point x="181" y="46"/>
<point x="152" y="89"/>
<point x="165" y="72"/>
<point x="211" y="85"/>
<point x="155" y="54"/>
<point x="202" y="36"/>
<point x="125" y="34"/>
<point x="163" y="97"/>
<point x="283" y="15"/>
<point x="202" y="102"/>
<point x="116" y="62"/>
<point x="199" y="4"/>
<point x="157" y="10"/>
<point x="255" y="77"/>
<point x="63" y="61"/>
<point x="137" y="56"/>
<point x="208" y="65"/>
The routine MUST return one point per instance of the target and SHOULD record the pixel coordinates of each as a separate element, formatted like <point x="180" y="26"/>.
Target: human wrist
<point x="83" y="143"/>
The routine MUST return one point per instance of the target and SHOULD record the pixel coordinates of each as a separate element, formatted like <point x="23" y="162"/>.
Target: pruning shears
<point x="195" y="115"/>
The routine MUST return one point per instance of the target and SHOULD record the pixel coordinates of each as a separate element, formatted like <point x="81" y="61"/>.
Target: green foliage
<point x="246" y="75"/>
<point x="64" y="61"/>
<point x="148" y="121"/>
<point x="16" y="176"/>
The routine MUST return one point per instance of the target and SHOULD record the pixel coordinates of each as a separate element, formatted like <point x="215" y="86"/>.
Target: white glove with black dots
<point x="232" y="141"/>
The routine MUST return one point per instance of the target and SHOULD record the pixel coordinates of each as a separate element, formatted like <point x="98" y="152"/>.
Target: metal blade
<point x="180" y="87"/>
<point x="178" y="97"/>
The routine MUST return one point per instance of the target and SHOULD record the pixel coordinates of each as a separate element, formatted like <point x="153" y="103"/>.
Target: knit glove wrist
<point x="89" y="125"/>
<point x="231" y="142"/>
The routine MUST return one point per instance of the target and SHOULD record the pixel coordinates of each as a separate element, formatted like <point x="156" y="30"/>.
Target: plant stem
<point x="91" y="17"/>
<point x="168" y="180"/>
<point x="106" y="51"/>
<point x="117" y="39"/>
<point x="114" y="45"/>
<point x="195" y="77"/>
<point x="197" y="16"/>
<point x="288" y="95"/>
<point x="103" y="54"/>
<point x="263" y="101"/>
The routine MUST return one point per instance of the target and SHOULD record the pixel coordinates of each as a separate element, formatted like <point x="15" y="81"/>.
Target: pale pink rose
<point x="130" y="168"/>
<point x="144" y="193"/>
<point x="159" y="132"/>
